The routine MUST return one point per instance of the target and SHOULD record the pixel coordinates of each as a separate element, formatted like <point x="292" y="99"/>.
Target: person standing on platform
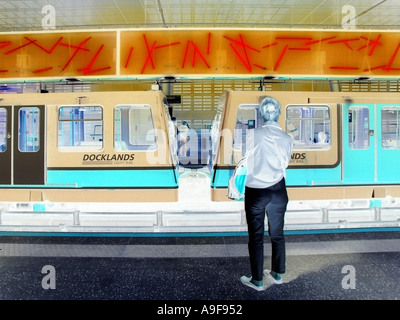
<point x="268" y="152"/>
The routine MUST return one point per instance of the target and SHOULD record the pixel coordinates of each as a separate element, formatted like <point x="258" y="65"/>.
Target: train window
<point x="390" y="118"/>
<point x="28" y="129"/>
<point x="247" y="118"/>
<point x="309" y="126"/>
<point x="80" y="128"/>
<point x="3" y="129"/>
<point x="134" y="128"/>
<point x="358" y="127"/>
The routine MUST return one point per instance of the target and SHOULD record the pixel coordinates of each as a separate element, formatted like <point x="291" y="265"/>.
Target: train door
<point x="22" y="145"/>
<point x="359" y="154"/>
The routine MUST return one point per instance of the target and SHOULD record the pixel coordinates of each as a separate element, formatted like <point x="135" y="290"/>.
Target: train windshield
<point x="80" y="127"/>
<point x="247" y="118"/>
<point x="390" y="118"/>
<point x="134" y="128"/>
<point x="309" y="126"/>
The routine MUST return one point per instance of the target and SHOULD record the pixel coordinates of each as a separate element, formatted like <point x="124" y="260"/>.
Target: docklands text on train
<point x="108" y="157"/>
<point x="298" y="157"/>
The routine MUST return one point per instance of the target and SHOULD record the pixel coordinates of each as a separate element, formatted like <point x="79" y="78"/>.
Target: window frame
<point x="121" y="145"/>
<point x="308" y="140"/>
<point x="96" y="147"/>
<point x="396" y="143"/>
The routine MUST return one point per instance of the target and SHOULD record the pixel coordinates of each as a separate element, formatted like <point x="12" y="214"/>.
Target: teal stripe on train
<point x="148" y="178"/>
<point x="220" y="177"/>
<point x="294" y="177"/>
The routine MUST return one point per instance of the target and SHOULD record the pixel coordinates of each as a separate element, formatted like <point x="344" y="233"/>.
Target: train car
<point x="92" y="146"/>
<point x="346" y="144"/>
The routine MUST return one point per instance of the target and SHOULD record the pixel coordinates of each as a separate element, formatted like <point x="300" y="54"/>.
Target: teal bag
<point x="237" y="182"/>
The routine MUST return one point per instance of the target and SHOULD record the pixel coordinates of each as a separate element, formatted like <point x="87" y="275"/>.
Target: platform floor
<point x="197" y="268"/>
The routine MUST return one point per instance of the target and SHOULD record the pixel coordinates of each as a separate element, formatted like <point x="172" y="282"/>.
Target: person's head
<point x="270" y="109"/>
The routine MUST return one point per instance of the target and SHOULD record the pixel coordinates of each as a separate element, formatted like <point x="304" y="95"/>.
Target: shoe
<point x="247" y="281"/>
<point x="270" y="278"/>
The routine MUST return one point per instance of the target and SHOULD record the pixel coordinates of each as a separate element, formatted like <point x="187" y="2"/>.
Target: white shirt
<point x="268" y="154"/>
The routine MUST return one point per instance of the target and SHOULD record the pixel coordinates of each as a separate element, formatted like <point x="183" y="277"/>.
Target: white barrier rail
<point x="189" y="221"/>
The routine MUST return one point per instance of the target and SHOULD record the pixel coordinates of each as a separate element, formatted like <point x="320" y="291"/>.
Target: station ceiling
<point x="28" y="15"/>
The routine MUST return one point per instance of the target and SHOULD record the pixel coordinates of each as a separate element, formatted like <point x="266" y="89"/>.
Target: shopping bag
<point x="237" y="182"/>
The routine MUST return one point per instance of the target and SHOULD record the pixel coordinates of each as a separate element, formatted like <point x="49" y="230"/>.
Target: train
<point x="116" y="161"/>
<point x="123" y="146"/>
<point x="346" y="144"/>
<point x="87" y="147"/>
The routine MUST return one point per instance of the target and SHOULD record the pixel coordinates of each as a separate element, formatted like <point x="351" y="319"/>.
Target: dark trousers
<point x="273" y="202"/>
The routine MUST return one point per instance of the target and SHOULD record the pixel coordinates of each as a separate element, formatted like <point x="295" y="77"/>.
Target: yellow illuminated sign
<point x="215" y="52"/>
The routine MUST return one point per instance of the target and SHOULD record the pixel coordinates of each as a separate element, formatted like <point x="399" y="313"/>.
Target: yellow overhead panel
<point x="63" y="54"/>
<point x="194" y="52"/>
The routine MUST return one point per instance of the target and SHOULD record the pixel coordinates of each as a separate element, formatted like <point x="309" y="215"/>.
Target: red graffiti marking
<point x="345" y="42"/>
<point x="20" y="47"/>
<point x="167" y="45"/>
<point x="280" y="57"/>
<point x="318" y="41"/>
<point x="129" y="57"/>
<point x="260" y="67"/>
<point x="80" y="47"/>
<point x="389" y="66"/>
<point x="243" y="46"/>
<point x="88" y="69"/>
<point x="4" y="44"/>
<point x="372" y="43"/>
<point x="42" y="70"/>
<point x="45" y="50"/>
<point x="196" y="52"/>
<point x="241" y="43"/>
<point x="150" y="52"/>
<point x="270" y="45"/>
